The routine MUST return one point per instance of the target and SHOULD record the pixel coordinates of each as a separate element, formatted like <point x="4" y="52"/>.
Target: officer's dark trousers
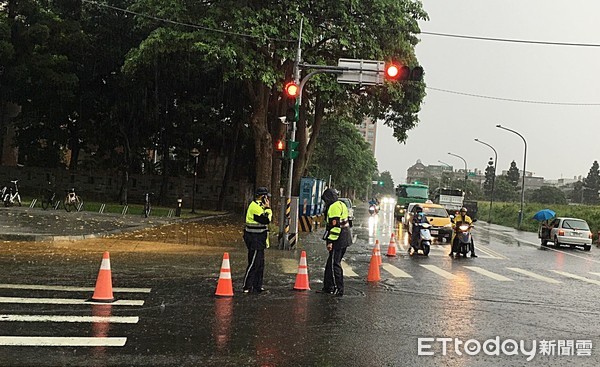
<point x="334" y="275"/>
<point x="253" y="279"/>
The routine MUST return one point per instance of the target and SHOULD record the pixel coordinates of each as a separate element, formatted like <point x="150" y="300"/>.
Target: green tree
<point x="513" y="175"/>
<point x="490" y="176"/>
<point x="576" y="195"/>
<point x="345" y="155"/>
<point x="473" y="191"/>
<point x="388" y="184"/>
<point x="504" y="189"/>
<point x="591" y="185"/>
<point x="547" y="195"/>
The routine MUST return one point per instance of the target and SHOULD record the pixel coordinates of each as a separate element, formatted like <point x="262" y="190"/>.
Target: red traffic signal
<point x="280" y="145"/>
<point x="394" y="71"/>
<point x="292" y="89"/>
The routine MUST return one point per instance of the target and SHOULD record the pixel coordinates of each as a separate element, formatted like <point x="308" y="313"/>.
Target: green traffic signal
<point x="292" y="149"/>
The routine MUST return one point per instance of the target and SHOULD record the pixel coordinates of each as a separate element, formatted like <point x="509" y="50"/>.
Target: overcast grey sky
<point x="562" y="141"/>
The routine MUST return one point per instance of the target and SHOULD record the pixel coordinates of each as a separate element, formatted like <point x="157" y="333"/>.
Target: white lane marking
<point x="591" y="272"/>
<point x="493" y="254"/>
<point x="569" y="275"/>
<point x="534" y="275"/>
<point x="555" y="250"/>
<point x="398" y="273"/>
<point x="348" y="270"/>
<point x="489" y="274"/>
<point x="44" y="341"/>
<point x="56" y="318"/>
<point x="69" y="288"/>
<point x="64" y="301"/>
<point x="354" y="238"/>
<point x="289" y="266"/>
<point x="439" y="271"/>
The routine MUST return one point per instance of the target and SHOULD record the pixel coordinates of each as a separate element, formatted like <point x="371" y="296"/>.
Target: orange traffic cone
<point x="103" y="291"/>
<point x="378" y="252"/>
<point x="302" y="276"/>
<point x="224" y="286"/>
<point x="373" y="275"/>
<point x="391" y="247"/>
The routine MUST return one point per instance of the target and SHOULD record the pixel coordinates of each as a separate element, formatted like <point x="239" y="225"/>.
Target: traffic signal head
<point x="280" y="145"/>
<point x="394" y="71"/>
<point x="292" y="149"/>
<point x="291" y="90"/>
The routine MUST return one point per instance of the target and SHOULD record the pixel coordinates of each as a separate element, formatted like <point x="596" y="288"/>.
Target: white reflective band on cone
<point x="105" y="265"/>
<point x="225" y="275"/>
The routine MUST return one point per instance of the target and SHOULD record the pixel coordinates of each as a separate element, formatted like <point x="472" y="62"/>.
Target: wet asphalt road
<point x="181" y="323"/>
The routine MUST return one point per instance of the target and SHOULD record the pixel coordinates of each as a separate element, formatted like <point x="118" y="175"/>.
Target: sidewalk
<point x="25" y="224"/>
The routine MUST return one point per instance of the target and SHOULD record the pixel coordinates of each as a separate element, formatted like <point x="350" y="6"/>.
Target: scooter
<point x="373" y="209"/>
<point x="424" y="240"/>
<point x="463" y="239"/>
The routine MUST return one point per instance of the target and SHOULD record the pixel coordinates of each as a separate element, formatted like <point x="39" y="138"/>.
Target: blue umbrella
<point x="544" y="214"/>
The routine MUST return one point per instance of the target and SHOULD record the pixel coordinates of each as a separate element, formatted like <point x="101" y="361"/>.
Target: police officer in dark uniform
<point x="258" y="217"/>
<point x="337" y="237"/>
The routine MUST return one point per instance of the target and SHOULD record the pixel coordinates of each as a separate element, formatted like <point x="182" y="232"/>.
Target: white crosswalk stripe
<point x="574" y="276"/>
<point x="489" y="274"/>
<point x="68" y="301"/>
<point x="348" y="270"/>
<point x="38" y="341"/>
<point x="56" y="318"/>
<point x="534" y="275"/>
<point x="396" y="272"/>
<point x="439" y="271"/>
<point x="69" y="288"/>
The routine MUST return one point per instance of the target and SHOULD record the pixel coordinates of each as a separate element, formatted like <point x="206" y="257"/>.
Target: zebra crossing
<point x="100" y="318"/>
<point x="500" y="274"/>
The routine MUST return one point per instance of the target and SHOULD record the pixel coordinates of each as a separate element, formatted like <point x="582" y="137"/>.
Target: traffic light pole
<point x="283" y="237"/>
<point x="367" y="72"/>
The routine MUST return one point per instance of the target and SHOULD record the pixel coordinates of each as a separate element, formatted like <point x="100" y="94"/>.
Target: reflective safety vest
<point x="337" y="218"/>
<point x="459" y="218"/>
<point x="257" y="218"/>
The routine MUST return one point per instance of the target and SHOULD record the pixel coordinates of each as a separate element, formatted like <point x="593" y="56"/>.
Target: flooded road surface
<point x="431" y="310"/>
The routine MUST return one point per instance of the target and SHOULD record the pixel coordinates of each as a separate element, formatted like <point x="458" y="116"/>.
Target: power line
<point x="514" y="100"/>
<point x="190" y="25"/>
<point x="512" y="40"/>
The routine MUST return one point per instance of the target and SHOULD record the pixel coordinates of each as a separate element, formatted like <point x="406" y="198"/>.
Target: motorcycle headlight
<point x="463" y="227"/>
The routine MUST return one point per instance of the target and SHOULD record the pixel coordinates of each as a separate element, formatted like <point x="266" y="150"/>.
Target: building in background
<point x="368" y="129"/>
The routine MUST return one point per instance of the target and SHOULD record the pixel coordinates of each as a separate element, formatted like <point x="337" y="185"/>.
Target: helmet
<point x="463" y="210"/>
<point x="418" y="209"/>
<point x="329" y="196"/>
<point x="262" y="191"/>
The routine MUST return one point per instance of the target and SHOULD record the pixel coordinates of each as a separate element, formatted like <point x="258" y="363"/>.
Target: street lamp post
<point x="442" y="175"/>
<point x="493" y="177"/>
<point x="523" y="182"/>
<point x="194" y="153"/>
<point x="466" y="171"/>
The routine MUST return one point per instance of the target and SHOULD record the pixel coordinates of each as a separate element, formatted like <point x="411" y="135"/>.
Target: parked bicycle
<point x="49" y="198"/>
<point x="11" y="197"/>
<point x="72" y="201"/>
<point x="147" y="206"/>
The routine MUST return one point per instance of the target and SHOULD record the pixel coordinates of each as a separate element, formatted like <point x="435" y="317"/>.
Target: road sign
<point x="374" y="182"/>
<point x="366" y="72"/>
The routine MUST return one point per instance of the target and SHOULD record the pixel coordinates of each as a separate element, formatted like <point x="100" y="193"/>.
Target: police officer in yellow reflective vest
<point x="258" y="217"/>
<point x="337" y="237"/>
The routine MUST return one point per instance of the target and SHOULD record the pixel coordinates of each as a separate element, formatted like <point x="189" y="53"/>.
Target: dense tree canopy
<point x="122" y="84"/>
